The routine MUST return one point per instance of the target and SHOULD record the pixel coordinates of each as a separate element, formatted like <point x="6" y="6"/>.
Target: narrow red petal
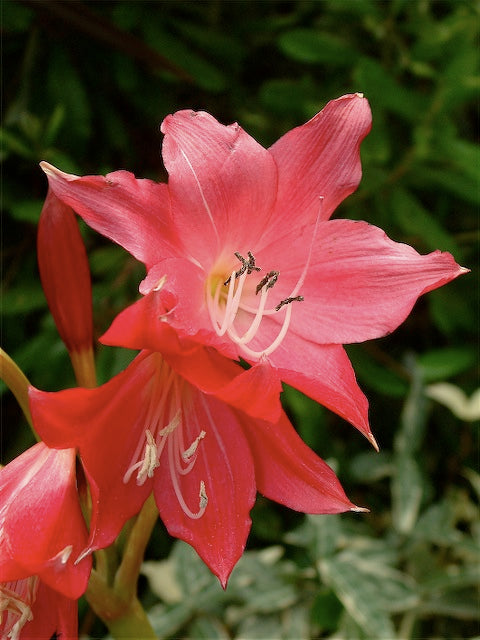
<point x="65" y="273"/>
<point x="289" y="472"/>
<point x="134" y="213"/>
<point x="218" y="177"/>
<point x="224" y="464"/>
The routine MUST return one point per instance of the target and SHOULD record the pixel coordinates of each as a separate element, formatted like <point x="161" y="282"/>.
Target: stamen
<point x="16" y="601"/>
<point x="188" y="453"/>
<point x="288" y="301"/>
<point x="269" y="280"/>
<point x="147" y="465"/>
<point x="247" y="265"/>
<point x="176" y="486"/>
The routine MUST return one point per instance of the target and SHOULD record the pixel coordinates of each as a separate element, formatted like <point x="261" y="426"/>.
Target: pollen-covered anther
<point x="288" y="301"/>
<point x="188" y="453"/>
<point x="148" y="464"/>
<point x="203" y="496"/>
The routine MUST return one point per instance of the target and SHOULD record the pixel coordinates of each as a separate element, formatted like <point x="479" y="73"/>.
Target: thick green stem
<point x="83" y="363"/>
<point x="124" y="618"/>
<point x="17" y="382"/>
<point x="117" y="604"/>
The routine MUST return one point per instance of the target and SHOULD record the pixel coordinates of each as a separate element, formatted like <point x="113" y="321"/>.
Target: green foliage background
<point x="85" y="86"/>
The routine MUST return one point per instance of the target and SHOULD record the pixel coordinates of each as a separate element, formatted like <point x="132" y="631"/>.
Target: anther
<point x="203" y="496"/>
<point x="188" y="453"/>
<point x="247" y="265"/>
<point x="288" y="301"/>
<point x="269" y="280"/>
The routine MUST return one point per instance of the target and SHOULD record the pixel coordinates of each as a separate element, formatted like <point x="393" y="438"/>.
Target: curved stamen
<point x="203" y="499"/>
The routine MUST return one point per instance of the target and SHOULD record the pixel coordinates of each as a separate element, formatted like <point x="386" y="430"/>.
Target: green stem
<point x="124" y="618"/>
<point x="83" y="363"/>
<point x="127" y="575"/>
<point x="117" y="604"/>
<point x="18" y="384"/>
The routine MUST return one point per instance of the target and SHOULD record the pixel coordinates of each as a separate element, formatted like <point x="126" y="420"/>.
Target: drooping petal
<point x="135" y="213"/>
<point x="218" y="177"/>
<point x="360" y="284"/>
<point x="320" y="159"/>
<point x="65" y="273"/>
<point x="325" y="374"/>
<point x="106" y="425"/>
<point x="42" y="527"/>
<point x="224" y="465"/>
<point x="289" y="472"/>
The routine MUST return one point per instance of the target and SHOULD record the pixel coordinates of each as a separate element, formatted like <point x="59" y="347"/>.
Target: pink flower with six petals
<point x="241" y="253"/>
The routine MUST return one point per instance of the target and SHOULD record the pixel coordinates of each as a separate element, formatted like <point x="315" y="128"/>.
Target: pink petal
<point x="174" y="296"/>
<point x="324" y="373"/>
<point x="134" y="213"/>
<point x="289" y="472"/>
<point x="41" y="520"/>
<point x="360" y="284"/>
<point x="320" y="159"/>
<point x="65" y="273"/>
<point x="224" y="464"/>
<point x="222" y="184"/>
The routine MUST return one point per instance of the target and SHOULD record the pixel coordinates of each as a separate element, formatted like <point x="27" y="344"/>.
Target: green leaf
<point x="383" y="91"/>
<point x="26" y="210"/>
<point x="440" y="364"/>
<point x="375" y="375"/>
<point x="368" y="591"/>
<point x="208" y="628"/>
<point x="414" y="220"/>
<point x="407" y="493"/>
<point x="311" y="45"/>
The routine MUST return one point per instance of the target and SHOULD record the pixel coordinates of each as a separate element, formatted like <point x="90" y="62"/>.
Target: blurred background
<point x="85" y="86"/>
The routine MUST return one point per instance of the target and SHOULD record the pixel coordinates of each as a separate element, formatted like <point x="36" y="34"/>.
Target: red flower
<point x="150" y="428"/>
<point x="241" y="254"/>
<point x="31" y="610"/>
<point x="65" y="273"/>
<point x="42" y="530"/>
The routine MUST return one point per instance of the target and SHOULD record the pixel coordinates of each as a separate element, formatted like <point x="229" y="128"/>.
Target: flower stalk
<point x="18" y="384"/>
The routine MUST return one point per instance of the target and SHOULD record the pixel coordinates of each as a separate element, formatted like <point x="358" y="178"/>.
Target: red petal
<point x="41" y="518"/>
<point x="320" y="159"/>
<point x="289" y="472"/>
<point x="52" y="612"/>
<point x="134" y="213"/>
<point x="106" y="425"/>
<point x="224" y="464"/>
<point x="222" y="185"/>
<point x="65" y="273"/>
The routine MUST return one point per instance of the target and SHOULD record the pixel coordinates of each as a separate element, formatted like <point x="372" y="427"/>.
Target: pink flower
<point x="241" y="253"/>
<point x="42" y="530"/>
<point x="42" y="533"/>
<point x="151" y="428"/>
<point x="31" y="610"/>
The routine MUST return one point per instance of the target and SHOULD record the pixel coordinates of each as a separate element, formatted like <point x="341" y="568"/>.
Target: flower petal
<point x="218" y="177"/>
<point x="320" y="159"/>
<point x="360" y="284"/>
<point x="43" y="530"/>
<point x="134" y="213"/>
<point x="224" y="464"/>
<point x="324" y="373"/>
<point x="289" y="472"/>
<point x="106" y="424"/>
